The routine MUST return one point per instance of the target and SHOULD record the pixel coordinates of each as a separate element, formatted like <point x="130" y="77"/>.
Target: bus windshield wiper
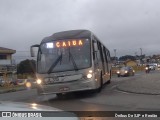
<point x="73" y="61"/>
<point x="54" y="64"/>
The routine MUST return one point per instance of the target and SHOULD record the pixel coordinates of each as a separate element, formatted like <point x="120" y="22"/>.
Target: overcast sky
<point x="124" y="25"/>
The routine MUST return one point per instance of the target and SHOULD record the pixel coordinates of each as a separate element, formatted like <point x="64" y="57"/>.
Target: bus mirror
<point x="33" y="50"/>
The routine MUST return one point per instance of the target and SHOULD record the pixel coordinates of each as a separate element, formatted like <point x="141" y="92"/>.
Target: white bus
<point x="71" y="61"/>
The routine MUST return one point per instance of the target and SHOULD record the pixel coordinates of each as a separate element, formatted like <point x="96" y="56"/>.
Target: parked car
<point x="14" y="82"/>
<point x="125" y="71"/>
<point x="2" y="82"/>
<point x="152" y="66"/>
<point x="30" y="83"/>
<point x="22" y="81"/>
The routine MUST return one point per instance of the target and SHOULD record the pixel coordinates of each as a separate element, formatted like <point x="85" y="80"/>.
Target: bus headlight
<point x="89" y="75"/>
<point x="39" y="81"/>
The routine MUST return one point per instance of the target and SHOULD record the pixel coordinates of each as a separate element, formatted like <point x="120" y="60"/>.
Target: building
<point x="7" y="67"/>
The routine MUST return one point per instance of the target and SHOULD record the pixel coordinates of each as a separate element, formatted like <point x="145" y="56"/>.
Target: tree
<point x="127" y="57"/>
<point x="114" y="58"/>
<point x="26" y="66"/>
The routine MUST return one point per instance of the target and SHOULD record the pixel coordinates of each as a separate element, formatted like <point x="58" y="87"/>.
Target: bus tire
<point x="101" y="84"/>
<point x="39" y="93"/>
<point x="59" y="95"/>
<point x="109" y="81"/>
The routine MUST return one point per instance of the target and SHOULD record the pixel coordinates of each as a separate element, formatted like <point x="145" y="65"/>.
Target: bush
<point x="25" y="76"/>
<point x="139" y="68"/>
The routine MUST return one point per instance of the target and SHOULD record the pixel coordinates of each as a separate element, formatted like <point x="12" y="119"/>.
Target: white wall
<point x="5" y="62"/>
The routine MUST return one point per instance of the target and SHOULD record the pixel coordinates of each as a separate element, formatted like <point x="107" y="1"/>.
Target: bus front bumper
<point x="66" y="87"/>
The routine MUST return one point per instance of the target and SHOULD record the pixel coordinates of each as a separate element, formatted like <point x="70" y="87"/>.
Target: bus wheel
<point x="38" y="92"/>
<point x="110" y="75"/>
<point x="109" y="81"/>
<point x="101" y="84"/>
<point x="59" y="95"/>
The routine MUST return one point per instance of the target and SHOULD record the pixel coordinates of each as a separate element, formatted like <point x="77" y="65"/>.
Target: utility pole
<point x="141" y="56"/>
<point x="115" y="52"/>
<point x="115" y="55"/>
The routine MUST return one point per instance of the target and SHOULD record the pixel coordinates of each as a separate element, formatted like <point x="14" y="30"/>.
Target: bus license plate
<point x="64" y="89"/>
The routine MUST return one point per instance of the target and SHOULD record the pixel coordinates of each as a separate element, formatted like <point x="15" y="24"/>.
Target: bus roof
<point x="68" y="35"/>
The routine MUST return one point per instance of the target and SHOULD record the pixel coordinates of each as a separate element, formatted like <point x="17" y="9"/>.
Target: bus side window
<point x="101" y="57"/>
<point x="95" y="50"/>
<point x="100" y="51"/>
<point x="106" y="59"/>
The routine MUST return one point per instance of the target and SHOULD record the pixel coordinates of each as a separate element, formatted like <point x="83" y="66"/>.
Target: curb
<point x="11" y="90"/>
<point x="134" y="92"/>
<point x="147" y="84"/>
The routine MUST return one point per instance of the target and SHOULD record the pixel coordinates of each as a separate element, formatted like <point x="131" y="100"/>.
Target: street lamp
<point x="141" y="55"/>
<point x="115" y="52"/>
<point x="115" y="55"/>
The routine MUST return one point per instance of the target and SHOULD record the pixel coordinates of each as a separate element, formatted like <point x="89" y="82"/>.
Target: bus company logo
<point x="6" y="114"/>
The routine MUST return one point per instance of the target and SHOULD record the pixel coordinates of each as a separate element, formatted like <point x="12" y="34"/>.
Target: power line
<point x="24" y="51"/>
<point x="21" y="56"/>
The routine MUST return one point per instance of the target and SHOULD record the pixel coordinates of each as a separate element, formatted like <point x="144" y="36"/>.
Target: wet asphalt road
<point x="109" y="99"/>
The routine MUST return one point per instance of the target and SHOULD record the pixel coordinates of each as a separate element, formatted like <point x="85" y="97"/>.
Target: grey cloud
<point x="123" y="25"/>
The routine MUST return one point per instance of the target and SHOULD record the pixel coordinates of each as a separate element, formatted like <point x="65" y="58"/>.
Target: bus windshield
<point x="64" y="55"/>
